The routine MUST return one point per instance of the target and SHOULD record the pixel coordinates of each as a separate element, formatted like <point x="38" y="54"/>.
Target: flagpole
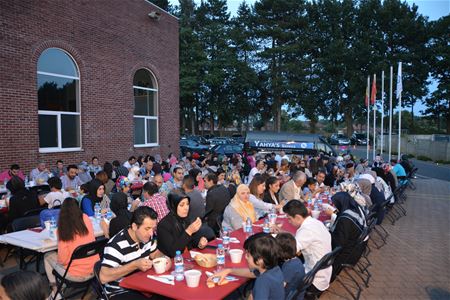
<point x="390" y="112"/>
<point x="382" y="113"/>
<point x="368" y="118"/>
<point x="399" y="95"/>
<point x="374" y="120"/>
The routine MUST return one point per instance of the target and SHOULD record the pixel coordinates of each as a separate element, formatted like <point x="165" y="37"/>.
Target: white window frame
<point x="59" y="113"/>
<point x="146" y="144"/>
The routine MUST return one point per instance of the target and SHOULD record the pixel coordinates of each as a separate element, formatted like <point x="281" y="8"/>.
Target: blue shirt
<point x="269" y="285"/>
<point x="399" y="170"/>
<point x="293" y="271"/>
<point x="86" y="206"/>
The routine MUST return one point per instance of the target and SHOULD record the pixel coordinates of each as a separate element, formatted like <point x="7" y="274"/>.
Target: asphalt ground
<point x="426" y="169"/>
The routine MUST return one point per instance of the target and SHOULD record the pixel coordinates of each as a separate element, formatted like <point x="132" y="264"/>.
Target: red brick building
<point x="86" y="78"/>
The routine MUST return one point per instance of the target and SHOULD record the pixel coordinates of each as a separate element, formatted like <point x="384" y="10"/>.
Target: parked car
<point x="218" y="141"/>
<point x="358" y="139"/>
<point x="192" y="146"/>
<point x="227" y="149"/>
<point x="199" y="139"/>
<point x="339" y="139"/>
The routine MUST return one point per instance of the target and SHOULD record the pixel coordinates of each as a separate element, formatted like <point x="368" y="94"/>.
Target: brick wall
<point x="109" y="41"/>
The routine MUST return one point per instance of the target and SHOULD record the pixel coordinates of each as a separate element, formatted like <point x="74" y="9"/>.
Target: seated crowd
<point x="184" y="204"/>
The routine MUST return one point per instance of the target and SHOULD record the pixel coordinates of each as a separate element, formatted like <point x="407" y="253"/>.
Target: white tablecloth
<point x="38" y="241"/>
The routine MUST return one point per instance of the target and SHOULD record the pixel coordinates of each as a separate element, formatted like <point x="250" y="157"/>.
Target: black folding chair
<point x="33" y="212"/>
<point x="361" y="271"/>
<point x="80" y="252"/>
<point x="24" y="223"/>
<point x="40" y="189"/>
<point x="97" y="284"/>
<point x="325" y="262"/>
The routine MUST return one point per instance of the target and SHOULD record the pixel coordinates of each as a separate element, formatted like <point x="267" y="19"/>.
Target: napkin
<point x="194" y="253"/>
<point x="229" y="278"/>
<point x="167" y="279"/>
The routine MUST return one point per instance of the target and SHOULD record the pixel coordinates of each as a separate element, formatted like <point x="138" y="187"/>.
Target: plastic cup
<point x="47" y="225"/>
<point x="236" y="255"/>
<point x="192" y="278"/>
<point x="159" y="264"/>
<point x="315" y="214"/>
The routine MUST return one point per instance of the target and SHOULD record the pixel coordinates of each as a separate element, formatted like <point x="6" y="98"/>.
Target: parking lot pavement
<point x="415" y="262"/>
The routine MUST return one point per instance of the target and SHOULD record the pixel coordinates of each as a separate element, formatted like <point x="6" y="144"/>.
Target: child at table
<point x="262" y="254"/>
<point x="292" y="267"/>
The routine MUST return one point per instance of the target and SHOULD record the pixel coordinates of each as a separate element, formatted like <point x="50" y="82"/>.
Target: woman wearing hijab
<point x="176" y="231"/>
<point x="376" y="197"/>
<point x="119" y="206"/>
<point x="96" y="190"/>
<point x="345" y="231"/>
<point x="239" y="209"/>
<point x="365" y="188"/>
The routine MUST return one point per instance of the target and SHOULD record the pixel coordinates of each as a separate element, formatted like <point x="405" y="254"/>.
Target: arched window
<point x="145" y="109"/>
<point x="58" y="83"/>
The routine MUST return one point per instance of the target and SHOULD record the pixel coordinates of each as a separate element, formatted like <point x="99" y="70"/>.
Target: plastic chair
<point x="325" y="262"/>
<point x="83" y="251"/>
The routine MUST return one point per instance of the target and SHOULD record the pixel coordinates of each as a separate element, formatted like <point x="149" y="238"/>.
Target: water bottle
<point x="226" y="239"/>
<point x="309" y="202"/>
<point x="109" y="215"/>
<point x="179" y="266"/>
<point x="248" y="227"/>
<point x="273" y="216"/>
<point x="26" y="180"/>
<point x="220" y="254"/>
<point x="266" y="227"/>
<point x="97" y="211"/>
<point x="53" y="226"/>
<point x="319" y="203"/>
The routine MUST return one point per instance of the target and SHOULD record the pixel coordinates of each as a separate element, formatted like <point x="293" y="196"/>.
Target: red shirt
<point x="7" y="175"/>
<point x="158" y="203"/>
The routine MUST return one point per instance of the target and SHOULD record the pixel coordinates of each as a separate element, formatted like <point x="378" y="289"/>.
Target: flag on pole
<point x="374" y="91"/>
<point x="366" y="99"/>
<point x="399" y="80"/>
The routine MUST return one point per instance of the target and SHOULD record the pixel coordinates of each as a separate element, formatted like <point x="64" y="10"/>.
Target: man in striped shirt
<point x="131" y="249"/>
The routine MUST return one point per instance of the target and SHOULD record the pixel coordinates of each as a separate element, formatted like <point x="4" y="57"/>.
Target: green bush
<point x="411" y="156"/>
<point x="424" y="158"/>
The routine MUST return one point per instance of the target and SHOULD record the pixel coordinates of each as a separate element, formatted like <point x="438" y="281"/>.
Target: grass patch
<point x="424" y="158"/>
<point x="444" y="162"/>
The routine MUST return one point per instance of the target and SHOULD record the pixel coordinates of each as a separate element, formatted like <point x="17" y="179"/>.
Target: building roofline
<point x="162" y="9"/>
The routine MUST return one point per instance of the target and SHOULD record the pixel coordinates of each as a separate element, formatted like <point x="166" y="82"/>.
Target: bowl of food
<point x="205" y="260"/>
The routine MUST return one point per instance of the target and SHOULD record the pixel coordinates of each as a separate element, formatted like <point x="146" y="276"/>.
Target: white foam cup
<point x="159" y="264"/>
<point x="315" y="214"/>
<point x="236" y="255"/>
<point x="192" y="278"/>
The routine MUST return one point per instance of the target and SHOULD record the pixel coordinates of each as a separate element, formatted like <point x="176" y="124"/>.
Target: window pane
<point x="70" y="131"/>
<point x="152" y="131"/>
<point x="143" y="78"/>
<point x="57" y="94"/>
<point x="140" y="103"/>
<point x="56" y="61"/>
<point x="144" y="103"/>
<point x="48" y="131"/>
<point x="139" y="131"/>
<point x="151" y="102"/>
